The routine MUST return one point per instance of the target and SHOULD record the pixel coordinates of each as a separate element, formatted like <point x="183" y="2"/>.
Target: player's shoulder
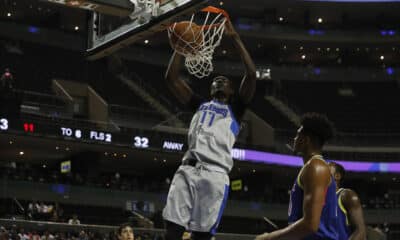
<point x="316" y="168"/>
<point x="318" y="164"/>
<point x="348" y="193"/>
<point x="349" y="198"/>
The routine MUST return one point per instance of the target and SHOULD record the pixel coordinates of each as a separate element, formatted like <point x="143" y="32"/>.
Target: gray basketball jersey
<point x="212" y="133"/>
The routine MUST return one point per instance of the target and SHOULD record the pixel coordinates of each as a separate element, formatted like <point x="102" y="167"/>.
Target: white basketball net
<point x="199" y="53"/>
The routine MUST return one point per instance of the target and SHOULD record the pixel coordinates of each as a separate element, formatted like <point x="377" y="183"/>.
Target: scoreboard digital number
<point x="3" y="124"/>
<point x="69" y="132"/>
<point x="92" y="135"/>
<point x="141" y="142"/>
<point x="101" y="136"/>
<point x="145" y="142"/>
<point x="29" y="127"/>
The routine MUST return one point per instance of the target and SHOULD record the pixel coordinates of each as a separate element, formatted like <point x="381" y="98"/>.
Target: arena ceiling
<point x="283" y="31"/>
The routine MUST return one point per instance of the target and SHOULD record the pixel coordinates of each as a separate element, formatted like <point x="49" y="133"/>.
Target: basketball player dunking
<point x="313" y="203"/>
<point x="350" y="213"/>
<point x="199" y="189"/>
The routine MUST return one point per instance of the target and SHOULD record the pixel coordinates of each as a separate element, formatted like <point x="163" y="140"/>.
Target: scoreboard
<point x="135" y="138"/>
<point x="160" y="141"/>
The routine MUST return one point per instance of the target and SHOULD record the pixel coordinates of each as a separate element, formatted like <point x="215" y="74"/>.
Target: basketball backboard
<point x="111" y="7"/>
<point x="114" y="24"/>
<point x="111" y="32"/>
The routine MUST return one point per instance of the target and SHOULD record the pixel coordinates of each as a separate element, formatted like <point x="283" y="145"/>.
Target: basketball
<point x="186" y="37"/>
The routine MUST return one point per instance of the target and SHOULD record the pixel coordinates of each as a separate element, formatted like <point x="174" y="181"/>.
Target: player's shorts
<point x="197" y="198"/>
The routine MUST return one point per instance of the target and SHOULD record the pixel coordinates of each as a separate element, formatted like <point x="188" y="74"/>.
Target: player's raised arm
<point x="315" y="180"/>
<point x="352" y="204"/>
<point x="177" y="85"/>
<point x="248" y="84"/>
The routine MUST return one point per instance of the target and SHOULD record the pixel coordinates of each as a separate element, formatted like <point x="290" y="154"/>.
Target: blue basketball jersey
<point x="328" y="223"/>
<point x="344" y="230"/>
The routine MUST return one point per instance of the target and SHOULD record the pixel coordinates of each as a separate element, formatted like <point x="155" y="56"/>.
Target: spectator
<point x="7" y="81"/>
<point x="3" y="233"/>
<point x="22" y="235"/>
<point x="60" y="212"/>
<point x="4" y="236"/>
<point x="125" y="232"/>
<point x="47" y="236"/>
<point x="35" y="236"/>
<point x="9" y="100"/>
<point x="83" y="236"/>
<point x="41" y="211"/>
<point x="74" y="220"/>
<point x="42" y="208"/>
<point x="54" y="216"/>
<point x="33" y="210"/>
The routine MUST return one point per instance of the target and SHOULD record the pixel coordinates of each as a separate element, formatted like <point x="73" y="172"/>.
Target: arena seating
<point x="272" y="192"/>
<point x="55" y="63"/>
<point x="19" y="229"/>
<point x="350" y="113"/>
<point x="357" y="109"/>
<point x="267" y="112"/>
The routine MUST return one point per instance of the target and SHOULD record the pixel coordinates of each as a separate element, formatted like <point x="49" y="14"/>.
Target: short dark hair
<point x="121" y="228"/>
<point x="317" y="127"/>
<point x="339" y="169"/>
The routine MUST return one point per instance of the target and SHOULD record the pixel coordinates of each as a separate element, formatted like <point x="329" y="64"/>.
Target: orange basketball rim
<point x="196" y="44"/>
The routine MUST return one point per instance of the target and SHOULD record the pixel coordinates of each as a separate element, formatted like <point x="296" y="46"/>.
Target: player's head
<point x="337" y="172"/>
<point x="221" y="88"/>
<point x="314" y="131"/>
<point x="125" y="232"/>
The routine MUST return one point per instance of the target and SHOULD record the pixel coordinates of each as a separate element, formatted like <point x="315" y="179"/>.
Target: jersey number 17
<point x="204" y="116"/>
